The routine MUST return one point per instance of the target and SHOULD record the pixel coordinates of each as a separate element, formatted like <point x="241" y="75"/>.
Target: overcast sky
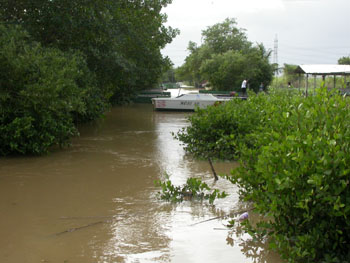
<point x="308" y="31"/>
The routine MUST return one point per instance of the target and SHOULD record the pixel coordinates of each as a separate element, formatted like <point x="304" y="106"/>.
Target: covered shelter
<point x="323" y="70"/>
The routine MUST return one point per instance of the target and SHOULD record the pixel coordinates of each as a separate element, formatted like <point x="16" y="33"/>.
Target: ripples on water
<point x="96" y="201"/>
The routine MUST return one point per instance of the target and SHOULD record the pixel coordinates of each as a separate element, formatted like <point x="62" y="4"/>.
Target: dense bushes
<point x="67" y="59"/>
<point x="121" y="40"/>
<point x="295" y="167"/>
<point x="43" y="91"/>
<point x="217" y="132"/>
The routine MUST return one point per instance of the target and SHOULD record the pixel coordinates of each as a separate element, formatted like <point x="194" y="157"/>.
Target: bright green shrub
<point x="214" y="132"/>
<point x="42" y="90"/>
<point x="300" y="179"/>
<point x="295" y="168"/>
<point x="217" y="131"/>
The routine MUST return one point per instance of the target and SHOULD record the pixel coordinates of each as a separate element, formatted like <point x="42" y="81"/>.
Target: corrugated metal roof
<point x="324" y="69"/>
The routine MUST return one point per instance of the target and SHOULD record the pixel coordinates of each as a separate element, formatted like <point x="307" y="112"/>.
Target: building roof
<point x="323" y="69"/>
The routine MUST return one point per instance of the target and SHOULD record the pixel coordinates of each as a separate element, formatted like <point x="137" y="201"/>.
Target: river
<point x="96" y="201"/>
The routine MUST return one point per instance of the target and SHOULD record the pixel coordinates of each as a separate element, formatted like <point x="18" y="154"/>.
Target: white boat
<point x="187" y="102"/>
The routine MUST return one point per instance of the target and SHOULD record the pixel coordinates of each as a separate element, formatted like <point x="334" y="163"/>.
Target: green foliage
<point x="295" y="168"/>
<point x="226" y="58"/>
<point x="344" y="61"/>
<point x="290" y="76"/>
<point x="190" y="71"/>
<point x="121" y="40"/>
<point x="169" y="76"/>
<point x="303" y="158"/>
<point x="41" y="91"/>
<point x="74" y="56"/>
<point x="218" y="131"/>
<point x="225" y="36"/>
<point x="193" y="189"/>
<point x="218" y="70"/>
<point x="227" y="70"/>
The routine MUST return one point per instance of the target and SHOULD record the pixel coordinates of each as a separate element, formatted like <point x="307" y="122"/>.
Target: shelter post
<point x="314" y="83"/>
<point x="307" y="85"/>
<point x="323" y="70"/>
<point x="345" y="86"/>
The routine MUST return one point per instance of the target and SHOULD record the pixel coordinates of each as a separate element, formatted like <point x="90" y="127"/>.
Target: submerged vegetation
<point x="295" y="167"/>
<point x="194" y="189"/>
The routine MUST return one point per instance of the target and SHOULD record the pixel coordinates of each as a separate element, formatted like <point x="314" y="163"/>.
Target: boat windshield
<point x="196" y="96"/>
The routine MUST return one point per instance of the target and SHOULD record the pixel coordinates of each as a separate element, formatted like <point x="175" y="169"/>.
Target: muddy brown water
<point x="96" y="201"/>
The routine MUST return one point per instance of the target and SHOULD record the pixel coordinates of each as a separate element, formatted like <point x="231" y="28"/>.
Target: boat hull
<point x="183" y="105"/>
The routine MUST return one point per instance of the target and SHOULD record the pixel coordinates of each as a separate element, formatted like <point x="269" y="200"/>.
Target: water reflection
<point x="96" y="201"/>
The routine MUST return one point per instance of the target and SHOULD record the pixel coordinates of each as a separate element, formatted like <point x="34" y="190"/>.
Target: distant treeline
<point x="225" y="58"/>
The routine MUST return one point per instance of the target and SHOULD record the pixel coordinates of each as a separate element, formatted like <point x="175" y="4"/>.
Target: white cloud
<point x="309" y="31"/>
<point x="198" y="12"/>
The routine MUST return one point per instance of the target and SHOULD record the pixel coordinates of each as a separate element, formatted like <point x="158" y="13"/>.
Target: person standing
<point x="244" y="87"/>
